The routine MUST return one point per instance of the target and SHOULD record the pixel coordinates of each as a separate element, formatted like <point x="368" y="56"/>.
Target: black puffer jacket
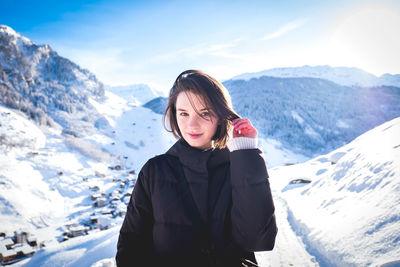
<point x="198" y="208"/>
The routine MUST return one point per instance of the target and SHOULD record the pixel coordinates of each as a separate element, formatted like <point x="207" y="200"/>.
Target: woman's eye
<point x="183" y="114"/>
<point x="205" y="114"/>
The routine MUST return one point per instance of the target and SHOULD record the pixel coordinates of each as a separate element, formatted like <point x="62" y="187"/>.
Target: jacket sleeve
<point x="253" y="220"/>
<point x="135" y="238"/>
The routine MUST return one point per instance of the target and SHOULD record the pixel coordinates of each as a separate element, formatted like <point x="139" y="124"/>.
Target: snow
<point x="289" y="249"/>
<point x="20" y="132"/>
<point x="297" y="117"/>
<point x="276" y="155"/>
<point x="340" y="75"/>
<point x="9" y="31"/>
<point x="349" y="214"/>
<point x="311" y="132"/>
<point x="80" y="251"/>
<point x="137" y="94"/>
<point x="342" y="124"/>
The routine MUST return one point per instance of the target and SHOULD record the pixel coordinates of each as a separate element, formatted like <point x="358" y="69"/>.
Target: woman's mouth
<point x="194" y="136"/>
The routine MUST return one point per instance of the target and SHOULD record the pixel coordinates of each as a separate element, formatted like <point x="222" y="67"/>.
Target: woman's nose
<point x="193" y="121"/>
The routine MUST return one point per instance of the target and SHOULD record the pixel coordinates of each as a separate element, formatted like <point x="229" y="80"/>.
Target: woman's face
<point x="197" y="129"/>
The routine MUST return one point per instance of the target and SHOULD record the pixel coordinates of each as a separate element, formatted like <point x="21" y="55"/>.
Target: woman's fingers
<point x="243" y="127"/>
<point x="241" y="123"/>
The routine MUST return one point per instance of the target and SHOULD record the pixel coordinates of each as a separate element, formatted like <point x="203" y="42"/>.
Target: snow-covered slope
<point x="340" y="75"/>
<point x="349" y="215"/>
<point x="43" y="85"/>
<point x="138" y="94"/>
<point x="47" y="179"/>
<point x="158" y="105"/>
<point x="97" y="250"/>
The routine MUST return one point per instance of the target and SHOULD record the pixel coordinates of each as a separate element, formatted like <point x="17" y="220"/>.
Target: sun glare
<point x="368" y="37"/>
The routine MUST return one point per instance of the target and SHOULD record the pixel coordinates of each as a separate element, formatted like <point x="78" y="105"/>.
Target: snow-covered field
<point x="348" y="215"/>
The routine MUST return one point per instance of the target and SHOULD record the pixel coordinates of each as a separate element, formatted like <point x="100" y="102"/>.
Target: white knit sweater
<point x="242" y="143"/>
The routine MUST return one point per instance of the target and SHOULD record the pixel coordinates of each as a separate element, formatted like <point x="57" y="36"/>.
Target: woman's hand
<point x="243" y="128"/>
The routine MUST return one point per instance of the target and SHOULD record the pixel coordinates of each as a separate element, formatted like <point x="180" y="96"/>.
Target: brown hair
<point x="215" y="97"/>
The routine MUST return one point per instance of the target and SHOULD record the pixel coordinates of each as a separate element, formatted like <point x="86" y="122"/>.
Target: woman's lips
<point x="194" y="136"/>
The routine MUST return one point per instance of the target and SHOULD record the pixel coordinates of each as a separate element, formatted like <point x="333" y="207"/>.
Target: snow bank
<point x="349" y="215"/>
<point x="97" y="249"/>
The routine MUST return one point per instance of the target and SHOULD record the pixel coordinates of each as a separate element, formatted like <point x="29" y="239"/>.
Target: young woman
<point x="207" y="200"/>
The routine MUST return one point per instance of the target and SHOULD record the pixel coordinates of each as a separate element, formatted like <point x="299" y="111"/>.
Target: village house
<point x="94" y="219"/>
<point x="116" y="179"/>
<point x="101" y="221"/>
<point x="95" y="196"/>
<point x="94" y="188"/>
<point x="119" y="210"/>
<point x="99" y="174"/>
<point x="14" y="248"/>
<point x="107" y="211"/>
<point x="6" y="251"/>
<point x="23" y="250"/>
<point x="32" y="241"/>
<point x="115" y="195"/>
<point x="100" y="202"/>
<point x="7" y="243"/>
<point x="20" y="237"/>
<point x="7" y="255"/>
<point x="75" y="230"/>
<point x="115" y="202"/>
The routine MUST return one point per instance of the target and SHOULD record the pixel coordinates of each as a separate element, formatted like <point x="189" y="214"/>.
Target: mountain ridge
<point x="347" y="76"/>
<point x="45" y="86"/>
<point x="312" y="115"/>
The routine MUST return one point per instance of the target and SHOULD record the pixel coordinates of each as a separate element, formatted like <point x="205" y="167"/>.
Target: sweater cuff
<point x="239" y="143"/>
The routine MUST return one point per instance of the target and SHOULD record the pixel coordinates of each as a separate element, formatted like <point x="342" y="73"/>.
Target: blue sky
<point x="128" y="42"/>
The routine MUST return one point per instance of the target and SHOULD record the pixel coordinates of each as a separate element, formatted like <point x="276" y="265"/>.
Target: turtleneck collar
<point x="197" y="159"/>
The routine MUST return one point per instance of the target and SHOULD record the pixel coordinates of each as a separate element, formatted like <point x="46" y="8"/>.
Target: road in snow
<point x="289" y="249"/>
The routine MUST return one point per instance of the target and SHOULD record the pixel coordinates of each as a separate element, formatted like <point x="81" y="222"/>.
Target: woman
<point x="207" y="200"/>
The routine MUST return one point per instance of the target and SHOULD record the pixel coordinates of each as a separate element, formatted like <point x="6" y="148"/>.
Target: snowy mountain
<point x="308" y="116"/>
<point x="137" y="94"/>
<point x="312" y="116"/>
<point x="46" y="87"/>
<point x="341" y="75"/>
<point x="346" y="205"/>
<point x="157" y="105"/>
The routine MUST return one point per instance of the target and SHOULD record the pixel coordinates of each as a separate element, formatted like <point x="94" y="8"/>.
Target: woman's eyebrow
<point x="203" y="109"/>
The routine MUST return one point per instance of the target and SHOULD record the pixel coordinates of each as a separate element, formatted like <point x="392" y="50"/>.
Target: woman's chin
<point x="198" y="144"/>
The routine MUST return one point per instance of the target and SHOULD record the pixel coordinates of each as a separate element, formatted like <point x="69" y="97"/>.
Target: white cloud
<point x="285" y="29"/>
<point x="197" y="51"/>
